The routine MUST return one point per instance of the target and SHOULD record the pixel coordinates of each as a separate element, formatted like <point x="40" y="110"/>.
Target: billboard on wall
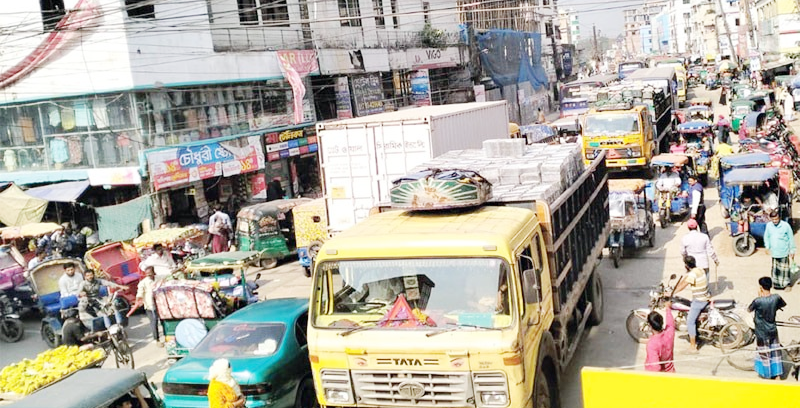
<point x="185" y="164"/>
<point x="290" y="142"/>
<point x="421" y="87"/>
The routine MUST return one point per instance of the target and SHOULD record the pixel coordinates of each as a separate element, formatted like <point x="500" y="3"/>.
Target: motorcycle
<point x="717" y="323"/>
<point x="11" y="328"/>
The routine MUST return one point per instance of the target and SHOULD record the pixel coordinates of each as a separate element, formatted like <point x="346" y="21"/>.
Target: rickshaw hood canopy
<point x="695" y="126"/>
<point x="270" y="208"/>
<point x="164" y="236"/>
<point x="626" y="185"/>
<point x="88" y="388"/>
<point x="743" y="102"/>
<point x="223" y="260"/>
<point x="745" y="159"/>
<point x="29" y="230"/>
<point x="750" y="176"/>
<point x="670" y="160"/>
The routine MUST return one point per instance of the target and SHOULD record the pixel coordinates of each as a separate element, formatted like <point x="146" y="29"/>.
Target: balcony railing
<point x="255" y="38"/>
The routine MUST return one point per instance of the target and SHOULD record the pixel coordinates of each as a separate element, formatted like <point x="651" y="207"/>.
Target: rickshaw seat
<point x="69" y="301"/>
<point x="129" y="279"/>
<point x="51" y="302"/>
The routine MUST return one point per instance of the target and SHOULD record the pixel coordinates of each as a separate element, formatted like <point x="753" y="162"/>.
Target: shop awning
<point x="66" y="192"/>
<point x="20" y="208"/>
<point x="775" y="65"/>
<point x="43" y="176"/>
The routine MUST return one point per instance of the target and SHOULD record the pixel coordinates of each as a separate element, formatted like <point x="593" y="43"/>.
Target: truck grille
<point x="421" y="389"/>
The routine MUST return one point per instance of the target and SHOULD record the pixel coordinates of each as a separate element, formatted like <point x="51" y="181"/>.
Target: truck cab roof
<point x="465" y="232"/>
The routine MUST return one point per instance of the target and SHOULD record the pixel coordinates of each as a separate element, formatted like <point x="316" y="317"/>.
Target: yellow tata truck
<point x="442" y="304"/>
<point x="631" y="126"/>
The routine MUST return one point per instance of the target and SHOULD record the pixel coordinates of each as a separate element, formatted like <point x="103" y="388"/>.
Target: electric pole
<point x="728" y="34"/>
<point x="594" y="31"/>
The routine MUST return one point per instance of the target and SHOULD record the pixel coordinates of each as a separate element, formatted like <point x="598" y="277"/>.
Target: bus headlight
<point x="336" y="386"/>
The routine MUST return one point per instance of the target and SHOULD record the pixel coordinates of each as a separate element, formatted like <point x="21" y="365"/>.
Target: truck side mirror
<point x="530" y="286"/>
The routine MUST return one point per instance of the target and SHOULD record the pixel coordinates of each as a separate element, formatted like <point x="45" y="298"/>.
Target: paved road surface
<point x="607" y="345"/>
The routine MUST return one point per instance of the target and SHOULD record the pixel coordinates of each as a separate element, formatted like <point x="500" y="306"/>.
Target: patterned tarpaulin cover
<point x="184" y="299"/>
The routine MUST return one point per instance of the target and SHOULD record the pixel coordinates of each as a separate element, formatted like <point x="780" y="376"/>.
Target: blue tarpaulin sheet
<point x="748" y="176"/>
<point x="746" y="159"/>
<point x="512" y="57"/>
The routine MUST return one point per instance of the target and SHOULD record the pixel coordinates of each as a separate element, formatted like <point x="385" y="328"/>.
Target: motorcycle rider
<point x="695" y="278"/>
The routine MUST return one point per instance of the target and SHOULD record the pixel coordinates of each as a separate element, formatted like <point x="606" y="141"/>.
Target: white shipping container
<point x="360" y="157"/>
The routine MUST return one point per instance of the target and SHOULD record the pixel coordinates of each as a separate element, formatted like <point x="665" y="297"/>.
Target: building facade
<point x="778" y="28"/>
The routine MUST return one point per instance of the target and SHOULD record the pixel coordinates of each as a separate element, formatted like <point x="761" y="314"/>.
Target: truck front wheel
<point x="546" y="387"/>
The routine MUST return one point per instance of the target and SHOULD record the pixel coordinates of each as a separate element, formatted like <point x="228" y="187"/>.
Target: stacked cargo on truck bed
<point x="517" y="172"/>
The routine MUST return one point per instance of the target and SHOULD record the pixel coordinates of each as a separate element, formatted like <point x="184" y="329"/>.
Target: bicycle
<point x="114" y="339"/>
<point x="744" y="359"/>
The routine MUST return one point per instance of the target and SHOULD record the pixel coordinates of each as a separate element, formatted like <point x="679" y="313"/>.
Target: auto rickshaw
<point x="119" y="263"/>
<point x="669" y="193"/>
<point x="741" y="91"/>
<point x="632" y="224"/>
<point x="228" y="271"/>
<point x="694" y="132"/>
<point x="269" y="229"/>
<point x="739" y="109"/>
<point x="712" y="81"/>
<point x="187" y="310"/>
<point x="310" y="231"/>
<point x="748" y="192"/>
<point x="12" y="276"/>
<point x="699" y="112"/>
<point x="752" y="123"/>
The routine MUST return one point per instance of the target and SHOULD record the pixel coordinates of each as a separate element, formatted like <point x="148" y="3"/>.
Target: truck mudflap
<point x="578" y="225"/>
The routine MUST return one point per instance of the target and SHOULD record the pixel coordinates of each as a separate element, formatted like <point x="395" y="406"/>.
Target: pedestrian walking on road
<point x="661" y="344"/>
<point x="779" y="240"/>
<point x="219" y="226"/>
<point x="768" y="362"/>
<point x="695" y="278"/>
<point x="698" y="205"/>
<point x="698" y="245"/>
<point x="144" y="296"/>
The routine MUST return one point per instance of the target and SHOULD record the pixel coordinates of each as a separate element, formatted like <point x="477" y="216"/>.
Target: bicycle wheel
<point x="123" y="355"/>
<point x="731" y="336"/>
<point x="743" y="359"/>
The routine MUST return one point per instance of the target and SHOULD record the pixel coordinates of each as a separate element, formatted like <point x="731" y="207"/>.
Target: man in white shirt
<point x="219" y="226"/>
<point x="144" y="296"/>
<point x="70" y="282"/>
<point x="41" y="254"/>
<point x="160" y="260"/>
<point x="669" y="180"/>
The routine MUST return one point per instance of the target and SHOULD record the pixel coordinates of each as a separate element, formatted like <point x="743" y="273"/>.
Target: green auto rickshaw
<point x="269" y="229"/>
<point x="741" y="91"/>
<point x="739" y="109"/>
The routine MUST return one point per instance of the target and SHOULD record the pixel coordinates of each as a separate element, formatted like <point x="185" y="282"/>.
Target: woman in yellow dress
<point x="223" y="391"/>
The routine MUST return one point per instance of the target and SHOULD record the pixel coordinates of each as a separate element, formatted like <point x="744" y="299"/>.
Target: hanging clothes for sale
<point x="100" y="113"/>
<point x="213" y="119"/>
<point x="191" y="118"/>
<point x="75" y="150"/>
<point x="53" y="116"/>
<point x="83" y="116"/>
<point x="28" y="132"/>
<point x="67" y="118"/>
<point x="92" y="150"/>
<point x="124" y="145"/>
<point x="108" y="145"/>
<point x="59" y="151"/>
<point x="223" y="117"/>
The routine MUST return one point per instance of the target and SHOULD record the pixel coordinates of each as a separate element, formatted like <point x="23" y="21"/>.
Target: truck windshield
<point x="611" y="124"/>
<point x="413" y="293"/>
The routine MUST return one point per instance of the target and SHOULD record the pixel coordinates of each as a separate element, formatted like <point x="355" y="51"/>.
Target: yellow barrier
<point x="609" y="388"/>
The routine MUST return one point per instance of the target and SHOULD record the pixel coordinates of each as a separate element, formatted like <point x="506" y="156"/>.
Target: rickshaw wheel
<point x="744" y="245"/>
<point x="616" y="255"/>
<point x="651" y="241"/>
<point x="663" y="218"/>
<point x="268" y="263"/>
<point x="49" y="336"/>
<point x="703" y="179"/>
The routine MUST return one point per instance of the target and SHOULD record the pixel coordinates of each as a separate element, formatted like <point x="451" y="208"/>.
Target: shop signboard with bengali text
<point x="291" y="142"/>
<point x="421" y="87"/>
<point x="185" y="164"/>
<point x="367" y="94"/>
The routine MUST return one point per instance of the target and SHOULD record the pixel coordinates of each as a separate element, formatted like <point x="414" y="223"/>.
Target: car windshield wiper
<point x="458" y="326"/>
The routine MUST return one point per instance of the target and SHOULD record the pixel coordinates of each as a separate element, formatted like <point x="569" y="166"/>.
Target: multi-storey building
<point x="778" y="28"/>
<point x="569" y="26"/>
<point x="198" y="101"/>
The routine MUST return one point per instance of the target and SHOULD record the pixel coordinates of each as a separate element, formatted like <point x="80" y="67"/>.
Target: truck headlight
<point x="336" y="386"/>
<point x="491" y="389"/>
<point x="494" y="398"/>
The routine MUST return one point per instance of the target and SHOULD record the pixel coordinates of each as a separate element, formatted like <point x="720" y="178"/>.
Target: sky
<point x="606" y="15"/>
